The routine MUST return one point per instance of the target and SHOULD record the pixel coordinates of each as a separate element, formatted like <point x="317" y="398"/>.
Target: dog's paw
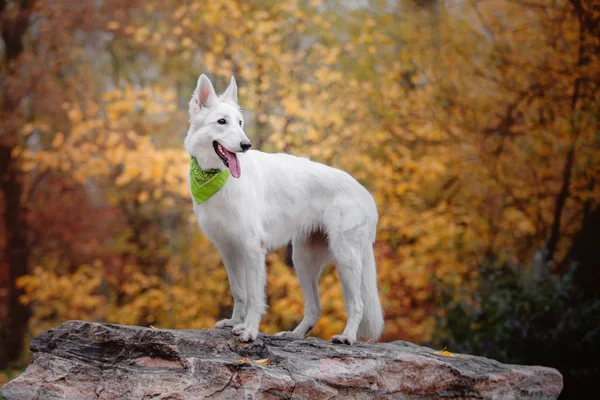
<point x="225" y="323"/>
<point x="343" y="339"/>
<point x="249" y="335"/>
<point x="238" y="329"/>
<point x="288" y="334"/>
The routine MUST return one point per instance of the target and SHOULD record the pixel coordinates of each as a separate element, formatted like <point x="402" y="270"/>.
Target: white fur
<point x="325" y="213"/>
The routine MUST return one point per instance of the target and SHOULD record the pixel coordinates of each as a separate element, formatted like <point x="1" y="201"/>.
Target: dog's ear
<point x="230" y="94"/>
<point x="204" y="95"/>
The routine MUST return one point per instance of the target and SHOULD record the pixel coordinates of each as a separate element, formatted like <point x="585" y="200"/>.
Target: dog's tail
<point x="371" y="325"/>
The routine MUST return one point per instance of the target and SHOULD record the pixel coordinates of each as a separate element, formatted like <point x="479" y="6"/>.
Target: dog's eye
<point x="240" y="123"/>
<point x="222" y="121"/>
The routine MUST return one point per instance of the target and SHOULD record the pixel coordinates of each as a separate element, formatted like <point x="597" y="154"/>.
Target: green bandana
<point x="205" y="182"/>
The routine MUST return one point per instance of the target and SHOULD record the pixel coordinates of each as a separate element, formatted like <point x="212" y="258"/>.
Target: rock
<point x="85" y="360"/>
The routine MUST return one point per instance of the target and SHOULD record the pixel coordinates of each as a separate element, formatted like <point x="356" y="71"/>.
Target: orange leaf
<point x="259" y="362"/>
<point x="444" y="352"/>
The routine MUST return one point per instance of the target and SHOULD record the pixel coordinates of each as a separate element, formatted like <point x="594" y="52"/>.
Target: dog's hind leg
<point x="346" y="250"/>
<point x="309" y="255"/>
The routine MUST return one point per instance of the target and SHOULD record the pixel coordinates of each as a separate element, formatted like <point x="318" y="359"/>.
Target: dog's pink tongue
<point x="234" y="165"/>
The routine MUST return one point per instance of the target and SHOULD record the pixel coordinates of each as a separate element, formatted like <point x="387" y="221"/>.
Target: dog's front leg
<point x="255" y="272"/>
<point x="237" y="283"/>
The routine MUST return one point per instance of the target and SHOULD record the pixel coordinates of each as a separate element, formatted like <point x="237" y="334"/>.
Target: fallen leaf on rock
<point x="259" y="362"/>
<point x="444" y="352"/>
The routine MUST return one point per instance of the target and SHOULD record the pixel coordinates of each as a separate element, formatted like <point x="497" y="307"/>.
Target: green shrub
<point x="523" y="318"/>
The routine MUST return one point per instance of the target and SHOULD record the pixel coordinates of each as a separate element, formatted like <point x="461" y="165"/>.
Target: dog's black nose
<point x="245" y="146"/>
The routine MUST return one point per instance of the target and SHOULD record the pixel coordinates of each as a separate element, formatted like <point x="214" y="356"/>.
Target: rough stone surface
<point x="83" y="360"/>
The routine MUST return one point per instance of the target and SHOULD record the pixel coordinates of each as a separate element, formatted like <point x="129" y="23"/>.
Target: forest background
<point x="474" y="123"/>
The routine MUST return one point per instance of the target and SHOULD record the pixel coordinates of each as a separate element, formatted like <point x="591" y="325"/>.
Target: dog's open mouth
<point x="229" y="159"/>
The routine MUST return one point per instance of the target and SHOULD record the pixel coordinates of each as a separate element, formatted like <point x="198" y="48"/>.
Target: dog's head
<point x="216" y="132"/>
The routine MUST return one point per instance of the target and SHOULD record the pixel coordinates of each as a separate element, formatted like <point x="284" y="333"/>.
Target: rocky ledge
<point x="84" y="360"/>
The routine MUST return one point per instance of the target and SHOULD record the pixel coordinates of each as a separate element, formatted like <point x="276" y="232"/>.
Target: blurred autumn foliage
<point x="474" y="123"/>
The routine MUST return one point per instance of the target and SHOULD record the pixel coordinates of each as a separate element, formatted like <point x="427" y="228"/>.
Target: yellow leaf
<point x="112" y="25"/>
<point x="259" y="362"/>
<point x="143" y="196"/>
<point x="15" y="152"/>
<point x="444" y="352"/>
<point x="27" y="129"/>
<point x="59" y="138"/>
<point x="28" y="166"/>
<point x="170" y="45"/>
<point x="75" y="114"/>
<point x="180" y="12"/>
<point x="125" y="178"/>
<point x="113" y="139"/>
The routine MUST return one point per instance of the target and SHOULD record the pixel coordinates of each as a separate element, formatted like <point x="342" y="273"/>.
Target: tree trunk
<point x="13" y="325"/>
<point x="586" y="23"/>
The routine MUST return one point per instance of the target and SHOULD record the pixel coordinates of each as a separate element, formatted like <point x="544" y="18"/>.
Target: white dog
<point x="270" y="200"/>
